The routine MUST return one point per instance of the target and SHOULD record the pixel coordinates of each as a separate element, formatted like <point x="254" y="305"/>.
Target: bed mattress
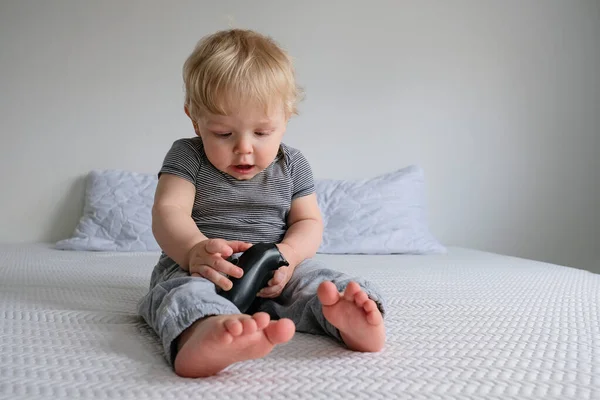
<point x="464" y="325"/>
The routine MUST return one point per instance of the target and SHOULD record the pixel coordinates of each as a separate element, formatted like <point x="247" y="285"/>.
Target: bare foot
<point x="213" y="343"/>
<point x="355" y="315"/>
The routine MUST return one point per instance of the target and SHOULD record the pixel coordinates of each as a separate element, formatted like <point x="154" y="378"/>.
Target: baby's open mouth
<point x="243" y="168"/>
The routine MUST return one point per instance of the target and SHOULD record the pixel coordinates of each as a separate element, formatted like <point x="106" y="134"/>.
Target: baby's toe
<point x="262" y="320"/>
<point x="369" y="306"/>
<point x="234" y="327"/>
<point x="374" y="317"/>
<point x="351" y="290"/>
<point x="361" y="298"/>
<point x="328" y="293"/>
<point x="249" y="325"/>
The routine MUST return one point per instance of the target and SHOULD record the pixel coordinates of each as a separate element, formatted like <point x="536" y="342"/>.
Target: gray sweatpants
<point x="176" y="300"/>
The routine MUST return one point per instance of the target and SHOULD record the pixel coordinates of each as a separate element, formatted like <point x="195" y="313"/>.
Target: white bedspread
<point x="466" y="325"/>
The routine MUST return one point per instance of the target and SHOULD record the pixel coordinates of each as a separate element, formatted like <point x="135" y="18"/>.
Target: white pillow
<point x="117" y="213"/>
<point x="383" y="215"/>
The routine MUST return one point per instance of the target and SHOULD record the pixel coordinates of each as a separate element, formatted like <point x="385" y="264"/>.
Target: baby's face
<point x="243" y="143"/>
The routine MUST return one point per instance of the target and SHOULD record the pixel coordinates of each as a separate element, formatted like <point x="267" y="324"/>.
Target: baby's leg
<point x="202" y="332"/>
<point x="324" y="301"/>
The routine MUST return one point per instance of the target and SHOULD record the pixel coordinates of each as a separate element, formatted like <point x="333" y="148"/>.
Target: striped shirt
<point x="253" y="210"/>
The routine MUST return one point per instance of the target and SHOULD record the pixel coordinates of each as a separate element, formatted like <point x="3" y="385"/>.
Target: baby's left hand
<point x="283" y="275"/>
<point x="277" y="283"/>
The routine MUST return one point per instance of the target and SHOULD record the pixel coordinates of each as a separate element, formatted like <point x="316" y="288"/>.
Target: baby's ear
<point x="187" y="112"/>
<point x="196" y="129"/>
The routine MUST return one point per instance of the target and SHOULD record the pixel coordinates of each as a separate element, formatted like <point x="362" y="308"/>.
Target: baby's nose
<point x="243" y="146"/>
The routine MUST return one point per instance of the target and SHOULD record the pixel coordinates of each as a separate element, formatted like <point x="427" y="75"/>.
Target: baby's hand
<point x="283" y="275"/>
<point x="208" y="259"/>
<point x="277" y="283"/>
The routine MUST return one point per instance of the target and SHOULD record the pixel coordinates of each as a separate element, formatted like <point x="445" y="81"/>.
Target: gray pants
<point x="176" y="300"/>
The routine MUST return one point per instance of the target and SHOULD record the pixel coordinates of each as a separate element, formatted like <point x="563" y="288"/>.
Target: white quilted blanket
<point x="466" y="325"/>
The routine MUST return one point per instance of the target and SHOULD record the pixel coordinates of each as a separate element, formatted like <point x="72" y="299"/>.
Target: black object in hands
<point x="259" y="263"/>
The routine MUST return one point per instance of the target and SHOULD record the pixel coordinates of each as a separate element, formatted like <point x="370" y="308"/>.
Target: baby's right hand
<point x="208" y="259"/>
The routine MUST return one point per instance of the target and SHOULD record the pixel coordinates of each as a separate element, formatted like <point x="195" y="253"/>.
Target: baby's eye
<point x="222" y="134"/>
<point x="261" y="133"/>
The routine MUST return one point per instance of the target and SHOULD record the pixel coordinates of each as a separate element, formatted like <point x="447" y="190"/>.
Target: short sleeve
<point x="183" y="159"/>
<point x="302" y="176"/>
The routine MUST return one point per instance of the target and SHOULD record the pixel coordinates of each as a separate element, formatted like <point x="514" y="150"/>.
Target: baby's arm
<point x="301" y="241"/>
<point x="179" y="237"/>
<point x="305" y="230"/>
<point x="172" y="224"/>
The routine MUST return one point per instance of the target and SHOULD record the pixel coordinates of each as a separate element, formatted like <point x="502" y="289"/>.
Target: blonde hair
<point x="235" y="66"/>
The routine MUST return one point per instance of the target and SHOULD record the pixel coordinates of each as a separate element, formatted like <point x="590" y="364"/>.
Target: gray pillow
<point x="117" y="213"/>
<point x="383" y="215"/>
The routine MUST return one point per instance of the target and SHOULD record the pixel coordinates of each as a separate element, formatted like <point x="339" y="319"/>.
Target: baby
<point x="232" y="185"/>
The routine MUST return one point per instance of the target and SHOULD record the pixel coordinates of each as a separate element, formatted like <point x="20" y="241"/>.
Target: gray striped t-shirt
<point x="252" y="210"/>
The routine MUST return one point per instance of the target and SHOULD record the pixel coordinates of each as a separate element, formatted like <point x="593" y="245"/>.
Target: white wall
<point x="499" y="101"/>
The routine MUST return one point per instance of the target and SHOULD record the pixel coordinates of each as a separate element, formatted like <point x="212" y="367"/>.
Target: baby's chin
<point x="245" y="178"/>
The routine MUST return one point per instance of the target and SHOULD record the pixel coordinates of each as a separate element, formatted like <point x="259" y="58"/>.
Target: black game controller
<point x="259" y="263"/>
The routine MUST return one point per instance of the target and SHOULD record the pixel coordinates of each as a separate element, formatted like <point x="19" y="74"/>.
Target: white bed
<point x="466" y="325"/>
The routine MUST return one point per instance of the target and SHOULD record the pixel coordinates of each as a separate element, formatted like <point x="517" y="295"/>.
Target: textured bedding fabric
<point x="464" y="325"/>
